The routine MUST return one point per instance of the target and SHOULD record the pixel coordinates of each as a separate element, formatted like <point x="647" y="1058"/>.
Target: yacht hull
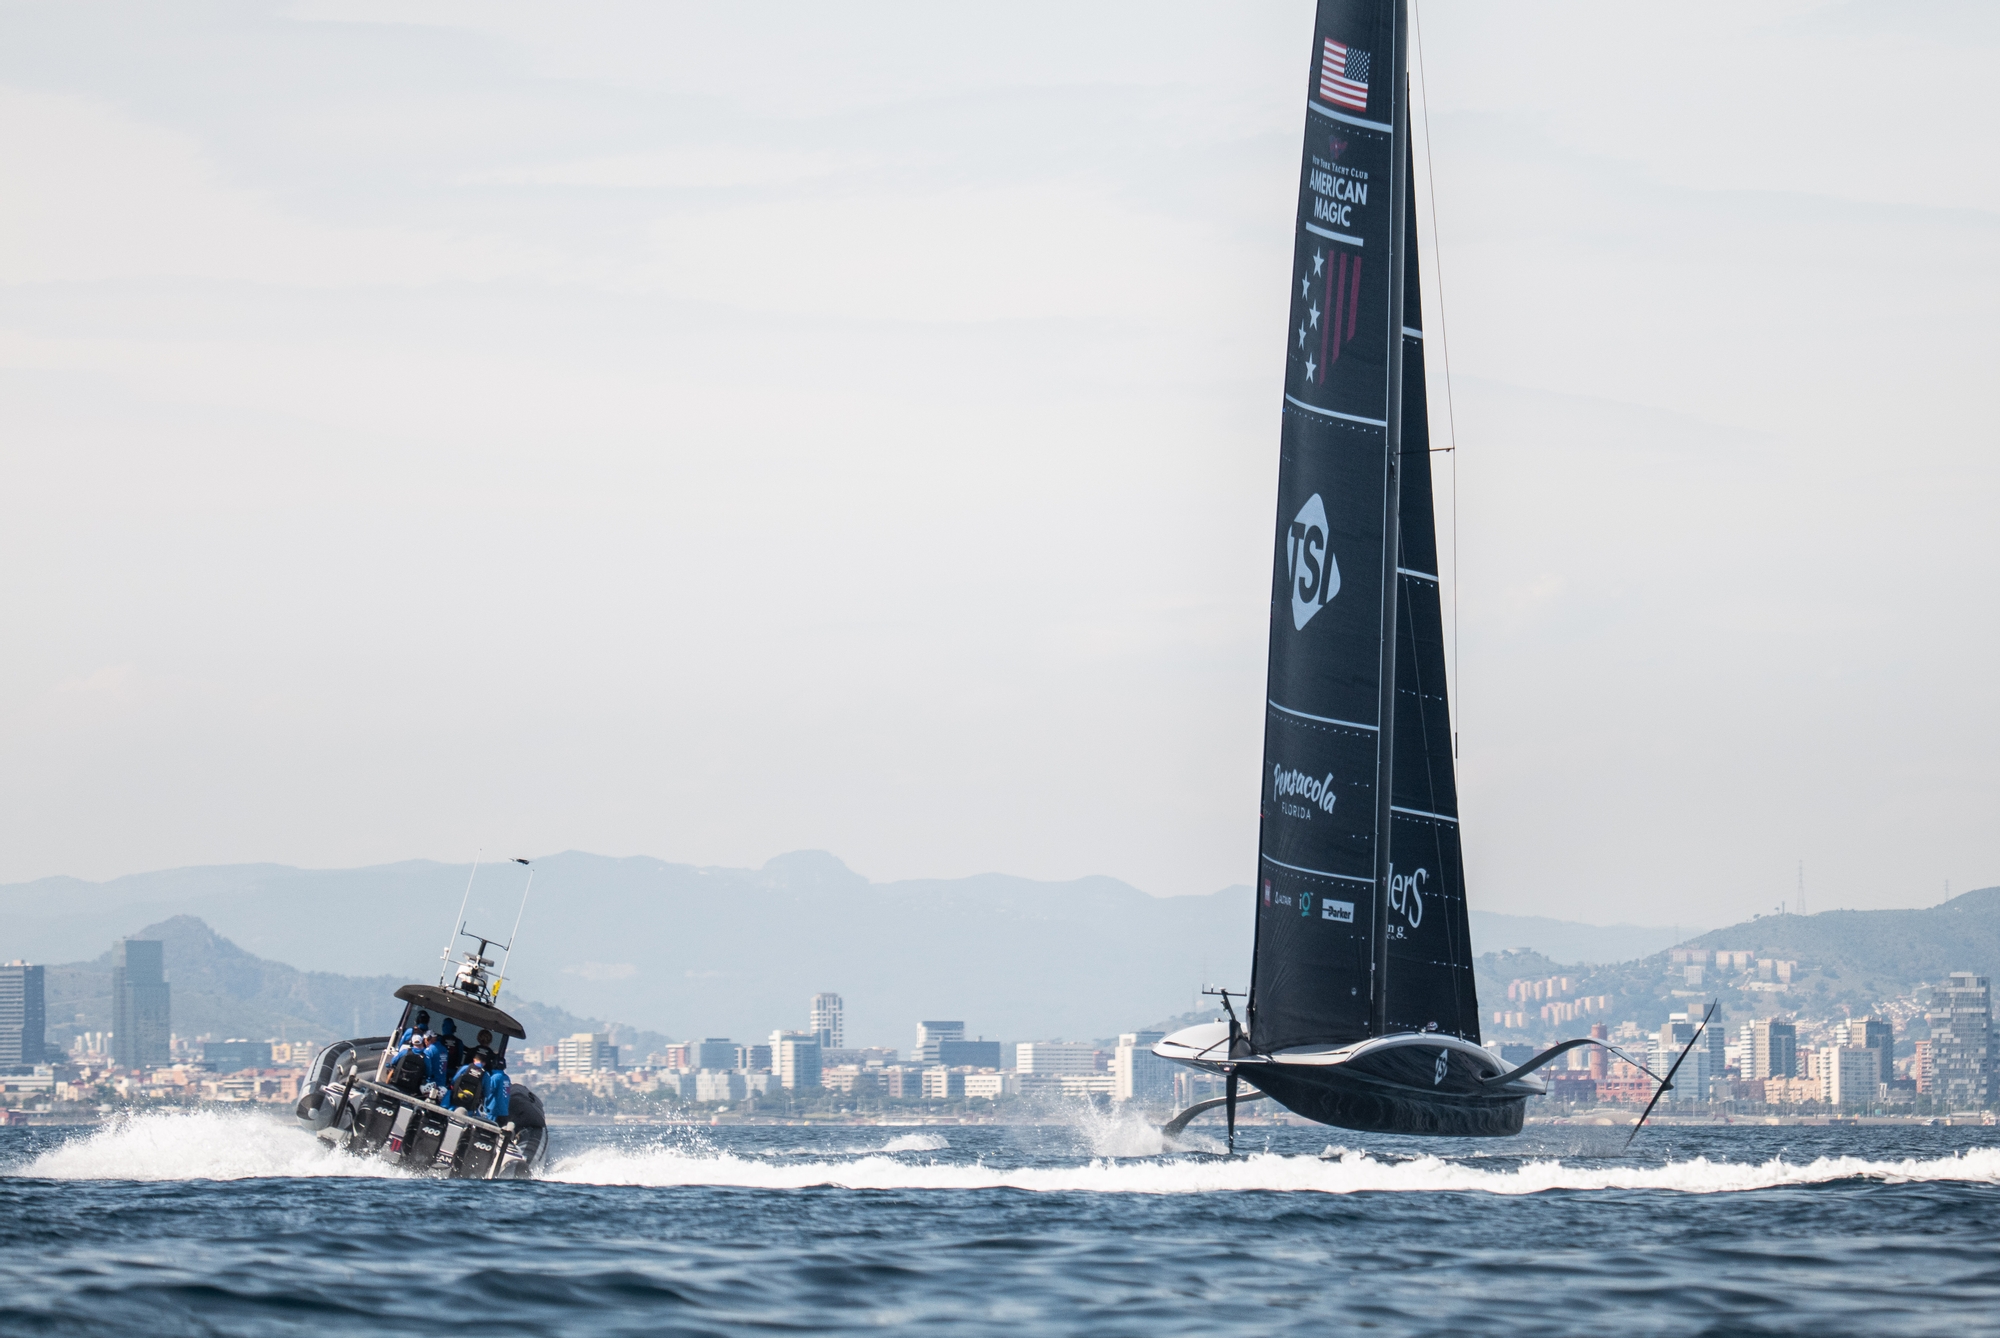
<point x="1412" y="1083"/>
<point x="1370" y="1105"/>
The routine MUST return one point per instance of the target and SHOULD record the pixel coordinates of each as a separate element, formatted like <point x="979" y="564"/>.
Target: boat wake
<point x="196" y="1145"/>
<point x="1111" y="1156"/>
<point x="1346" y="1173"/>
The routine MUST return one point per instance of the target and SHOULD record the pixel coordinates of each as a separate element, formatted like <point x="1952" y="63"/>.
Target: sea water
<point x="239" y="1223"/>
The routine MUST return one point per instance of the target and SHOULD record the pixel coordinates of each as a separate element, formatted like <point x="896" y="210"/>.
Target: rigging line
<point x="1444" y="338"/>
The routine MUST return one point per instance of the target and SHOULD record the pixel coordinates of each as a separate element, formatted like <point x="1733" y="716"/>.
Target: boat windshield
<point x="466" y="1025"/>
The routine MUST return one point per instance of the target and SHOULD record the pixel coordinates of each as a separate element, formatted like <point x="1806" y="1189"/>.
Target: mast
<point x="1392" y="445"/>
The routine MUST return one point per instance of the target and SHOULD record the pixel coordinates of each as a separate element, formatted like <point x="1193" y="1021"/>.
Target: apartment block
<point x="992" y="1085"/>
<point x="1961" y="1052"/>
<point x="825" y="1021"/>
<point x="719" y="1085"/>
<point x="1055" y="1058"/>
<point x="797" y="1062"/>
<point x="1852" y="1074"/>
<point x="1138" y="1074"/>
<point x="586" y="1052"/>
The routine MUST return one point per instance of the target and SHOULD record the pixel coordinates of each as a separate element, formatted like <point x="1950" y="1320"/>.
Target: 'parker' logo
<point x="1309" y="563"/>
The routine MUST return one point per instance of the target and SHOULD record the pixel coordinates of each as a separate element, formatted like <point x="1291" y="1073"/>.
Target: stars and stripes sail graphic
<point x="1343" y="76"/>
<point x="1330" y="302"/>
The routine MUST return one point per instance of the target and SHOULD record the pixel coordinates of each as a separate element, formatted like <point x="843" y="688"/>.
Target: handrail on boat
<point x="445" y="1111"/>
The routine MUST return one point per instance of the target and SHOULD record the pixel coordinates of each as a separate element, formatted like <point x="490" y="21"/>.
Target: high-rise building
<point x="716" y="1052"/>
<point x="1869" y="1033"/>
<point x="1703" y="1063"/>
<point x="586" y="1052"/>
<point x="932" y="1034"/>
<point x="1138" y="1074"/>
<point x="22" y="1018"/>
<point x="1961" y="1055"/>
<point x="825" y="1021"/>
<point x="1853" y="1072"/>
<point x="141" y="1015"/>
<point x="1774" y="1049"/>
<point x="797" y="1060"/>
<point x="1055" y="1057"/>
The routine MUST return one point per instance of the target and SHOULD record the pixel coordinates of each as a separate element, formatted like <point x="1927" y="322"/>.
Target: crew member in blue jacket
<point x="438" y="1057"/>
<point x="498" y="1088"/>
<point x="418" y="1024"/>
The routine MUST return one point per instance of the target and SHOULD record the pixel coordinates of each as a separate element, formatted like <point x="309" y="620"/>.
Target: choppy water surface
<point x="239" y="1224"/>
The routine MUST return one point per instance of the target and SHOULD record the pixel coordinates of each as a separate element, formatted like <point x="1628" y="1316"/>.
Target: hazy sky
<point x="711" y="431"/>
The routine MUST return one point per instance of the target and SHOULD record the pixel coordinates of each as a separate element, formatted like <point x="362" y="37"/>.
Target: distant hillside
<point x="1849" y="963"/>
<point x="220" y="990"/>
<point x="1563" y="941"/>
<point x="687" y="951"/>
<point x="1867" y="952"/>
<point x="693" y="951"/>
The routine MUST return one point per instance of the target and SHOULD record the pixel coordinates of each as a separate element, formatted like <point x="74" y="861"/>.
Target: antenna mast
<point x="507" y="955"/>
<point x="459" y="919"/>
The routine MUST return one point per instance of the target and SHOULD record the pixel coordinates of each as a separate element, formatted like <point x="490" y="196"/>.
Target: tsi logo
<point x="1315" y="576"/>
<point x="1406" y="894"/>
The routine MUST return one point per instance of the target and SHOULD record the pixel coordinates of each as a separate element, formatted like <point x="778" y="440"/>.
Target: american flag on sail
<point x="1343" y="76"/>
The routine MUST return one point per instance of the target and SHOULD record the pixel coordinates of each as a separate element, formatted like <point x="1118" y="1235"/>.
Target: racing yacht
<point x="1361" y="1011"/>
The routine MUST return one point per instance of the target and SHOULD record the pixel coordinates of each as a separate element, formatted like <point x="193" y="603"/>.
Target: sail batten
<point x="1359" y="830"/>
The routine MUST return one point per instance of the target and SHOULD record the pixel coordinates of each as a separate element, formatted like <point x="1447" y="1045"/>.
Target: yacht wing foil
<point x="1362" y="1011"/>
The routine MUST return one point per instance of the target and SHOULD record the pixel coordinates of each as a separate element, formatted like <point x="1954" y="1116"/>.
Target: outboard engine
<point x="331" y="1068"/>
<point x="531" y="1142"/>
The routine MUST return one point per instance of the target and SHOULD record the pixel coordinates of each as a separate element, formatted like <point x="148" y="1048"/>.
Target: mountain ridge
<point x="220" y="990"/>
<point x="689" y="950"/>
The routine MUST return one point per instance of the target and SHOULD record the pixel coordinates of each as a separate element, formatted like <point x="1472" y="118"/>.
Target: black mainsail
<point x="1361" y="916"/>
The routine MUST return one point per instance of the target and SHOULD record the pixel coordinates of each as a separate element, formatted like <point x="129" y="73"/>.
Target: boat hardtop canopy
<point x="463" y="1007"/>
